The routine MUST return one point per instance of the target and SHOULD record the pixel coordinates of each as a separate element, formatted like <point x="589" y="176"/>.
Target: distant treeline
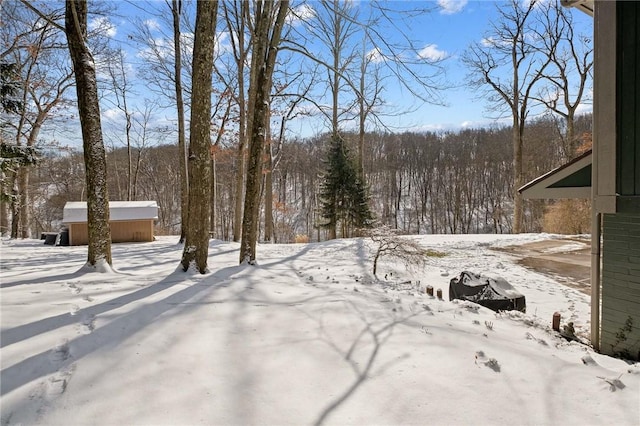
<point x="444" y="182"/>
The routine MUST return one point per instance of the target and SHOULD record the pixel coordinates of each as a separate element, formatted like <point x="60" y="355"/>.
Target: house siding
<point x="621" y="285"/>
<point x="628" y="101"/>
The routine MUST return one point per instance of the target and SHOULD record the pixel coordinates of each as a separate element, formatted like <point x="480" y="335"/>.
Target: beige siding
<point x="621" y="284"/>
<point x="121" y="231"/>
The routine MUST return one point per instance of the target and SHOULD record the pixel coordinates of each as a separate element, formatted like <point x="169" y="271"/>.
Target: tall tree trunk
<point x="265" y="49"/>
<point x="176" y="6"/>
<point x="214" y="195"/>
<point x="129" y="158"/>
<point x="240" y="57"/>
<point x="15" y="207"/>
<point x="239" y="184"/>
<point x="517" y="177"/>
<point x="23" y="200"/>
<point x="196" y="248"/>
<point x="335" y="86"/>
<point x="4" y="214"/>
<point x="268" y="184"/>
<point x="99" y="249"/>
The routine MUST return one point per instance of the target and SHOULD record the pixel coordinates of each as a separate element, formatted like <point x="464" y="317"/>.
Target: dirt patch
<point x="567" y="260"/>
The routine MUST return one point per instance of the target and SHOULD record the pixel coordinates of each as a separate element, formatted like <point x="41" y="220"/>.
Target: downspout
<point x="604" y="136"/>
<point x="596" y="216"/>
<point x="596" y="230"/>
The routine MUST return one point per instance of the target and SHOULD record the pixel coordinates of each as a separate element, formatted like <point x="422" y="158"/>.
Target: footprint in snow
<point x="74" y="288"/>
<point x="492" y="363"/>
<point x="87" y="325"/>
<point x="614" y="383"/>
<point x="532" y="337"/>
<point x="73" y="309"/>
<point x="588" y="360"/>
<point x="57" y="383"/>
<point x="60" y="353"/>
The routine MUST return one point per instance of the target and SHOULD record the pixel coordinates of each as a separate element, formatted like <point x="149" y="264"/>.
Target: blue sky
<point x="450" y="27"/>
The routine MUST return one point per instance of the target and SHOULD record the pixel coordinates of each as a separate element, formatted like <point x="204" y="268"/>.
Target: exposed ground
<point x="566" y="259"/>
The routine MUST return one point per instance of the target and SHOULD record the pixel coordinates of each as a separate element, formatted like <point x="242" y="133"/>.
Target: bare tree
<point x="514" y="44"/>
<point x="389" y="243"/>
<point x="99" y="249"/>
<point x="196" y="248"/>
<point x="121" y="88"/>
<point x="166" y="67"/>
<point x="176" y="9"/>
<point x="569" y="74"/>
<point x="43" y="77"/>
<point x="368" y="97"/>
<point x="269" y="19"/>
<point x="236" y="15"/>
<point x="275" y="144"/>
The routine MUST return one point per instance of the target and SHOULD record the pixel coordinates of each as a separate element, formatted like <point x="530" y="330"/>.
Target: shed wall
<point x="621" y="285"/>
<point x="121" y="232"/>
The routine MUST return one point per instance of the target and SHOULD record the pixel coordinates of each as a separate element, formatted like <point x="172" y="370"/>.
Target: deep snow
<point x="307" y="336"/>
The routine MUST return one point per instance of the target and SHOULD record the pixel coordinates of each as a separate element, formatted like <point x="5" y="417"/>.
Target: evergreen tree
<point x="9" y="88"/>
<point x="344" y="199"/>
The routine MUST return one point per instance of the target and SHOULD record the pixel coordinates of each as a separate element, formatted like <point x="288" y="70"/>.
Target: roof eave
<point x="585" y="6"/>
<point x="542" y="187"/>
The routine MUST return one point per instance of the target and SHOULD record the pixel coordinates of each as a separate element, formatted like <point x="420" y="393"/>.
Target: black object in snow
<point x="493" y="293"/>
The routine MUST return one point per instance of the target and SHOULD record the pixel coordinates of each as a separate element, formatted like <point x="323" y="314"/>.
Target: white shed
<point x="129" y="221"/>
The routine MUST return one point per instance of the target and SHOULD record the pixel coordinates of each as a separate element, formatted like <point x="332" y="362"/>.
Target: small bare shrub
<point x="568" y="217"/>
<point x="408" y="251"/>
<point x="301" y="239"/>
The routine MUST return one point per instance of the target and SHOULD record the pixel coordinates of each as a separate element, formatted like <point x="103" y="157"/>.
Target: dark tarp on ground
<point x="493" y="293"/>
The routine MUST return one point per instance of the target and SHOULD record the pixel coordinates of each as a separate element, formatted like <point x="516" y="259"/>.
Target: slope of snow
<point x="308" y="336"/>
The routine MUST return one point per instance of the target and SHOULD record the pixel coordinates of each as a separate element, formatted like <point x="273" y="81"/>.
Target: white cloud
<point x="103" y="25"/>
<point x="152" y="24"/>
<point x="301" y="14"/>
<point x="494" y="42"/>
<point x="375" y="55"/>
<point x="160" y="49"/>
<point x="483" y="124"/>
<point x="112" y="114"/>
<point x="537" y="3"/>
<point x="584" y="108"/>
<point x="450" y="7"/>
<point x="432" y="53"/>
<point x="223" y="43"/>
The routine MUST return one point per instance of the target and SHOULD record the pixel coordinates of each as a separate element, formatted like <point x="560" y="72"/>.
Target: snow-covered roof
<point x="76" y="211"/>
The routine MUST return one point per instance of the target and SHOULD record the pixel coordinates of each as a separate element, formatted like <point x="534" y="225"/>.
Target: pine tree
<point x="344" y="199"/>
<point x="9" y="87"/>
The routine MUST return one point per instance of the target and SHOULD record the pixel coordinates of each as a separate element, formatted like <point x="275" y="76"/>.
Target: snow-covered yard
<point x="306" y="337"/>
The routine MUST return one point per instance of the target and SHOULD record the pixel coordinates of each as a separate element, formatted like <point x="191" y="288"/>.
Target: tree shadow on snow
<point x="40" y="365"/>
<point x="370" y="340"/>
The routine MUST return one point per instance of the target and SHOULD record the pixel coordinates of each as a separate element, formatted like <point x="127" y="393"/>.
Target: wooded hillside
<point x="451" y="182"/>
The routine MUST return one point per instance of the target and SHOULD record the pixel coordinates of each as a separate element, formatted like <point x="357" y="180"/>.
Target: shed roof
<point x="571" y="180"/>
<point x="76" y="211"/>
